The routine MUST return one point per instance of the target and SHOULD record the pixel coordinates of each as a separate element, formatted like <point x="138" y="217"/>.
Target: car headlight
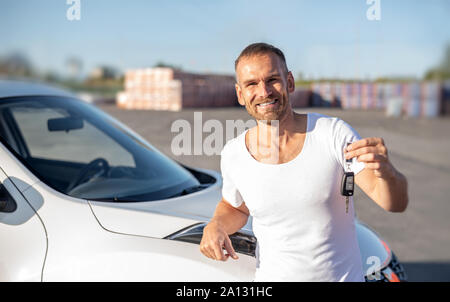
<point x="243" y="242"/>
<point x="393" y="272"/>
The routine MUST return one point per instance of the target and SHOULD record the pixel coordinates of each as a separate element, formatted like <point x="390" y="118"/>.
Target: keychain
<point x="347" y="183"/>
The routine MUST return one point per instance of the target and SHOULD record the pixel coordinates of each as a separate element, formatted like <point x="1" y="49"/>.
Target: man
<point x="286" y="172"/>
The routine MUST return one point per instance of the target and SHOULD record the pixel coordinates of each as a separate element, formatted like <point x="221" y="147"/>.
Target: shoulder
<point x="231" y="154"/>
<point x="324" y="122"/>
<point x="331" y="128"/>
<point x="233" y="146"/>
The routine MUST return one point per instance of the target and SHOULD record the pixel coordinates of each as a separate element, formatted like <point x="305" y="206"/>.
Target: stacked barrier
<point x="300" y="98"/>
<point x="445" y="107"/>
<point x="368" y="95"/>
<point x="380" y="98"/>
<point x="394" y="99"/>
<point x="327" y="94"/>
<point x="431" y="95"/>
<point x="169" y="89"/>
<point x="415" y="99"/>
<point x="346" y="92"/>
<point x="412" y="94"/>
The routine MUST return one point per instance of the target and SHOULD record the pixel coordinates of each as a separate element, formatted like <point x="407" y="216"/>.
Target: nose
<point x="264" y="90"/>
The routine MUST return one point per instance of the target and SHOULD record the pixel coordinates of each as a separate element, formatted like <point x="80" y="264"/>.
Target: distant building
<point x="164" y="88"/>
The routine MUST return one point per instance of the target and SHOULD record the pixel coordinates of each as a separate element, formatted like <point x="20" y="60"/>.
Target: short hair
<point x="260" y="49"/>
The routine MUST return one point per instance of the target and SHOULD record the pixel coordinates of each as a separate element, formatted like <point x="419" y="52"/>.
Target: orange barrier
<point x="169" y="89"/>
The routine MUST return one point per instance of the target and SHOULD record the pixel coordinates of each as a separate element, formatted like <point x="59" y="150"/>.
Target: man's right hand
<point x="214" y="240"/>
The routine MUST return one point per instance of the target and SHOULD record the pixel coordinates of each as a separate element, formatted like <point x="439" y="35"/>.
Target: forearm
<point x="391" y="193"/>
<point x="229" y="218"/>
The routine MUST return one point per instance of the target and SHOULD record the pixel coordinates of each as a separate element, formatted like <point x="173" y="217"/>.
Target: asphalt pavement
<point x="418" y="147"/>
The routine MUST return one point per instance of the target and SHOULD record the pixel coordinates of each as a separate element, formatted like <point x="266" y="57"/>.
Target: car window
<point x="77" y="145"/>
<point x="83" y="152"/>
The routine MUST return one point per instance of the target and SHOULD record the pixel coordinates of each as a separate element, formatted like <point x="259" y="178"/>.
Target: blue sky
<point x="320" y="38"/>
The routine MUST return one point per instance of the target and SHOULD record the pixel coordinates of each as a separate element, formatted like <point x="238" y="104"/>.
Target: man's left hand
<point x="374" y="154"/>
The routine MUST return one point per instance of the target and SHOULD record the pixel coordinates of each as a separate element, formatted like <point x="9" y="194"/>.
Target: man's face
<point x="263" y="86"/>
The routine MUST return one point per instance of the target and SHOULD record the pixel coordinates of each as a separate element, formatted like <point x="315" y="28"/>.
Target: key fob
<point x="347" y="184"/>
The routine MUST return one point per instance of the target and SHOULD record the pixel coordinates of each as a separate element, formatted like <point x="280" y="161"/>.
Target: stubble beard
<point x="276" y="115"/>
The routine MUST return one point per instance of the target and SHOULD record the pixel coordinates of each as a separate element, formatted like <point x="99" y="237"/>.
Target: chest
<point x="305" y="184"/>
<point x="274" y="154"/>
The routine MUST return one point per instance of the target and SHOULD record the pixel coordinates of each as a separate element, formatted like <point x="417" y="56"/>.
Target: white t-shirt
<point x="299" y="218"/>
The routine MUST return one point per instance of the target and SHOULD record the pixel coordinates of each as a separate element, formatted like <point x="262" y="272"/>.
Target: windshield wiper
<point x="186" y="191"/>
<point x="114" y="199"/>
<point x="191" y="190"/>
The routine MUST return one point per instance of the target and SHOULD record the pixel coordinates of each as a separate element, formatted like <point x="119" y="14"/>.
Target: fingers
<point x="212" y="246"/>
<point x="212" y="251"/>
<point x="373" y="153"/>
<point x="218" y="251"/>
<point x="373" y="165"/>
<point x="361" y="151"/>
<point x="371" y="157"/>
<point x="206" y="251"/>
<point x="368" y="149"/>
<point x="229" y="248"/>
<point x="365" y="142"/>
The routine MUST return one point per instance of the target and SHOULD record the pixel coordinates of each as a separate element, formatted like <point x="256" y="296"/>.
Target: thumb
<point x="229" y="248"/>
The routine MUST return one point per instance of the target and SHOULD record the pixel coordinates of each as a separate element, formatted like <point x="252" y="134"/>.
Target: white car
<point x="84" y="198"/>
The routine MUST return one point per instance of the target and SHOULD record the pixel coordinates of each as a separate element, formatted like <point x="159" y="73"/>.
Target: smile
<point x="268" y="103"/>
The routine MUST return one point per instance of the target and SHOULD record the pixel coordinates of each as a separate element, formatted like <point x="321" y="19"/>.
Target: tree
<point x="442" y="71"/>
<point x="162" y="64"/>
<point x="16" y="64"/>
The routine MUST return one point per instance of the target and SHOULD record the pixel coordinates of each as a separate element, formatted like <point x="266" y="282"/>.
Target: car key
<point x="347" y="187"/>
<point x="347" y="184"/>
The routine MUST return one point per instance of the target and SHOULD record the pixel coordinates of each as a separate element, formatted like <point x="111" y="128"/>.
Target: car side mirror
<point x="7" y="203"/>
<point x="64" y="124"/>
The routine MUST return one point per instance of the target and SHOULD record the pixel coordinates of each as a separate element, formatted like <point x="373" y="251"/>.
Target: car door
<point x="23" y="241"/>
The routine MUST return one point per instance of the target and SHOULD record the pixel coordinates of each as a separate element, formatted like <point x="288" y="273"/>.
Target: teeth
<point x="265" y="104"/>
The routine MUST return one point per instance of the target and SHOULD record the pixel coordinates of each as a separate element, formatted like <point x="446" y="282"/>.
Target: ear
<point x="290" y="82"/>
<point x="239" y="94"/>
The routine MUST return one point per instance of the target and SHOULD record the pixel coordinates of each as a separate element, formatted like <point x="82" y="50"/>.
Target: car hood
<point x="159" y="219"/>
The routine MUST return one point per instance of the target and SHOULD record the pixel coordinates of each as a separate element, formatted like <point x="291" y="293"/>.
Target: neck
<point x="277" y="133"/>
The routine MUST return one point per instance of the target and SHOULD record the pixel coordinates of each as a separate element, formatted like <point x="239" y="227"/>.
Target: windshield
<point x="80" y="151"/>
